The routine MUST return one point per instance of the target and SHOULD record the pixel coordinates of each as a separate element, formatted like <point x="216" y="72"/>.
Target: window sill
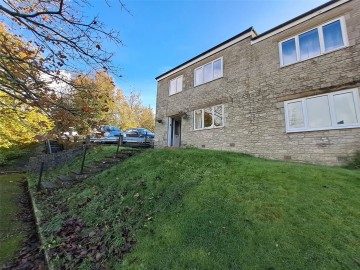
<point x="175" y="93"/>
<point x="322" y="129"/>
<point x="301" y="61"/>
<point x="209" y="128"/>
<point x="209" y="81"/>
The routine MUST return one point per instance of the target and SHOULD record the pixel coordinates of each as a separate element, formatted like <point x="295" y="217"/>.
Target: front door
<point x="177" y="133"/>
<point x="174" y="132"/>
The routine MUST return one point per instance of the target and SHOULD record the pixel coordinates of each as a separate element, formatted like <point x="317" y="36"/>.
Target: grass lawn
<point x="200" y="209"/>
<point x="11" y="230"/>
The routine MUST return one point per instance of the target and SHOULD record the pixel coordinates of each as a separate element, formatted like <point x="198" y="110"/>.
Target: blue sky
<point x="160" y="35"/>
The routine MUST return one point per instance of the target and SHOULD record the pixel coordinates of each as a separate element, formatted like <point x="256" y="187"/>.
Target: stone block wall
<point x="253" y="90"/>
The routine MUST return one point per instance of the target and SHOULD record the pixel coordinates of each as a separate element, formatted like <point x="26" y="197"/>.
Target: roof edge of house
<point x="207" y="51"/>
<point x="298" y="19"/>
<point x="254" y="36"/>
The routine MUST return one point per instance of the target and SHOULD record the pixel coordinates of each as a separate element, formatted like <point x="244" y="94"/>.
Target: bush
<point x="9" y="155"/>
<point x="355" y="162"/>
<point x="2" y="159"/>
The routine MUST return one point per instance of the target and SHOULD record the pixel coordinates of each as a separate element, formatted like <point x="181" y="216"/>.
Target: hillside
<point x="199" y="209"/>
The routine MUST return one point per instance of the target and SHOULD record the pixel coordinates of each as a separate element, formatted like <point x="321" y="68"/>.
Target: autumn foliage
<point x="55" y="73"/>
<point x="20" y="123"/>
<point x="95" y="101"/>
<point x="22" y="116"/>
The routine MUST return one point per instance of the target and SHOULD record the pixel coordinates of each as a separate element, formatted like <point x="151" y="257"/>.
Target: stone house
<point x="290" y="93"/>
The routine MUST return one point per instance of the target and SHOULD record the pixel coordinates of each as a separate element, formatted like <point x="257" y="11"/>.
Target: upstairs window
<point x="175" y="85"/>
<point x="330" y="111"/>
<point x="208" y="72"/>
<point x="209" y="118"/>
<point x="322" y="39"/>
<point x="309" y="44"/>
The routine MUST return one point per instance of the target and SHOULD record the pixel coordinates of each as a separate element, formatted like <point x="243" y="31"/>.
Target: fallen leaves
<point x="74" y="246"/>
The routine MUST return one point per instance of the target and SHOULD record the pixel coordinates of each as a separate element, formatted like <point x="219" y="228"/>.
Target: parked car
<point x="107" y="134"/>
<point x="139" y="132"/>
<point x="138" y="136"/>
<point x="110" y="131"/>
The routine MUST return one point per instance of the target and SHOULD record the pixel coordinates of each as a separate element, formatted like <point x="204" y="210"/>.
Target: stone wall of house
<point x="53" y="160"/>
<point x="253" y="90"/>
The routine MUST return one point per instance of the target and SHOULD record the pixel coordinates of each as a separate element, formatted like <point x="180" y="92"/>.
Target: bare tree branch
<point x="24" y="15"/>
<point x="59" y="37"/>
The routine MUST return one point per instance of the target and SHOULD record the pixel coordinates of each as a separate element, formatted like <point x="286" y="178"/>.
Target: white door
<point x="174" y="132"/>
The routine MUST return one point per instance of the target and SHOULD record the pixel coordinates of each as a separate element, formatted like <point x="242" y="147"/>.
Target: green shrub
<point x="354" y="162"/>
<point x="2" y="159"/>
<point x="8" y="156"/>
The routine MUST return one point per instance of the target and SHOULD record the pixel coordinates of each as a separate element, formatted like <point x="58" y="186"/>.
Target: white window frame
<point x="321" y="39"/>
<point x="212" y="67"/>
<point x="176" y="88"/>
<point x="203" y="118"/>
<point x="334" y="125"/>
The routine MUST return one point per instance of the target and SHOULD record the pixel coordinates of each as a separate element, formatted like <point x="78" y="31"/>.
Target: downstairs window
<point x="323" y="112"/>
<point x="212" y="117"/>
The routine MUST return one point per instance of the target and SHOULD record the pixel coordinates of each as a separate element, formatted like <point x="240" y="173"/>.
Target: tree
<point x="147" y="119"/>
<point x="98" y="101"/>
<point x="134" y="114"/>
<point x="130" y="110"/>
<point x="19" y="65"/>
<point x="88" y="103"/>
<point x="94" y="96"/>
<point x="20" y="123"/>
<point x="60" y="37"/>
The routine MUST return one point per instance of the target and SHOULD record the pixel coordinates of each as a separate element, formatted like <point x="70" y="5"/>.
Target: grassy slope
<point x="93" y="155"/>
<point x="11" y="235"/>
<point x="203" y="209"/>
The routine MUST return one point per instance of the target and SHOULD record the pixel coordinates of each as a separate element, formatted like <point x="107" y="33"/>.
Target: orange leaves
<point x="45" y="18"/>
<point x="99" y="102"/>
<point x="87" y="109"/>
<point x="53" y="96"/>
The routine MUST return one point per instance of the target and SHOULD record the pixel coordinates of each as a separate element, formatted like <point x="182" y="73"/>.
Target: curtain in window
<point x="332" y="36"/>
<point x="309" y="44"/>
<point x="198" y="119"/>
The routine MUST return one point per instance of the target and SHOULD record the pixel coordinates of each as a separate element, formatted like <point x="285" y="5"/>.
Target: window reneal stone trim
<point x="212" y="117"/>
<point x="335" y="110"/>
<point x="325" y="38"/>
<point x="208" y="72"/>
<point x="175" y="85"/>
